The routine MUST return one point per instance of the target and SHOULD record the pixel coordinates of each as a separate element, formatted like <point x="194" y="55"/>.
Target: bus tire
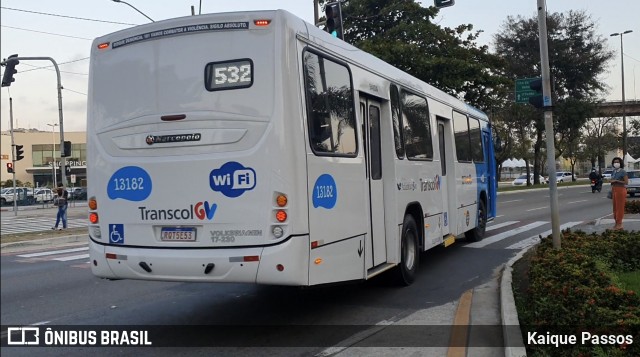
<point x="476" y="234"/>
<point x="409" y="251"/>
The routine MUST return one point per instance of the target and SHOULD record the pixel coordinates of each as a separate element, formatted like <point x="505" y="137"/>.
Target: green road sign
<point x="523" y="91"/>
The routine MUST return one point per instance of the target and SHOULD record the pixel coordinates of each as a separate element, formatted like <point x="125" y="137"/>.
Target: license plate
<point x="178" y="234"/>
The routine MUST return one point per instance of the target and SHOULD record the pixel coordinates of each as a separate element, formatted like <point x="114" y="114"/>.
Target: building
<point x="39" y="154"/>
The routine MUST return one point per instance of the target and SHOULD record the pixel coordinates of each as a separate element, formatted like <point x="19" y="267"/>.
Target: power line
<point x="631" y="57"/>
<point x="69" y="17"/>
<point x="71" y="90"/>
<point x="49" y="66"/>
<point x="50" y="69"/>
<point x="48" y="33"/>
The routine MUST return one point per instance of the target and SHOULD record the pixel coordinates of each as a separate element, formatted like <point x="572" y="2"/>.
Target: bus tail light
<point x="281" y="200"/>
<point x="262" y="22"/>
<point x="277" y="231"/>
<point x="103" y="46"/>
<point x="93" y="204"/>
<point x="93" y="218"/>
<point x="281" y="215"/>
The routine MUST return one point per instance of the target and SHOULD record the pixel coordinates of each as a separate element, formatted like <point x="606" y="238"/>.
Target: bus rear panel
<point x="184" y="127"/>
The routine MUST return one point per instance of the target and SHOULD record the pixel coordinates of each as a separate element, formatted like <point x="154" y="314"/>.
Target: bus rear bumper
<point x="282" y="264"/>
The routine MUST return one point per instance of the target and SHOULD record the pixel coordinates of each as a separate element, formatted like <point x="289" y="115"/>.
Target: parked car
<point x="522" y="180"/>
<point x="77" y="193"/>
<point x="43" y="195"/>
<point x="634" y="182"/>
<point x="563" y="176"/>
<point x="24" y="195"/>
<point x="606" y="175"/>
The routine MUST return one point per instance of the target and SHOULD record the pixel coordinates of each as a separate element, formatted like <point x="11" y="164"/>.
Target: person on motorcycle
<point x="596" y="180"/>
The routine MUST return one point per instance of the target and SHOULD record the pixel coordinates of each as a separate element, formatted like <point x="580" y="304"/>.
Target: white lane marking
<point x="52" y="252"/>
<point x="498" y="237"/>
<point x="72" y="257"/>
<point x="502" y="215"/>
<point x="535" y="239"/>
<point x="535" y="209"/>
<point x="40" y="323"/>
<point x="500" y="225"/>
<point x="510" y="201"/>
<point x="576" y="202"/>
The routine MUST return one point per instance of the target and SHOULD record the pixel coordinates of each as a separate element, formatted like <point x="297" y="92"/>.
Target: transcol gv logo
<point x="430" y="184"/>
<point x="201" y="210"/>
<point x="232" y="179"/>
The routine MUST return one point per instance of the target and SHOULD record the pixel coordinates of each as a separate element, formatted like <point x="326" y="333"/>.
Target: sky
<point x="67" y="40"/>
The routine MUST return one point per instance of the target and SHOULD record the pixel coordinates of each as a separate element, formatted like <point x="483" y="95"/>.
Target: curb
<point x="514" y="345"/>
<point x="77" y="238"/>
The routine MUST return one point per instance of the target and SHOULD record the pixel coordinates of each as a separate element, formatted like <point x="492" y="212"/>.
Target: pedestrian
<point x="619" y="181"/>
<point x="61" y="201"/>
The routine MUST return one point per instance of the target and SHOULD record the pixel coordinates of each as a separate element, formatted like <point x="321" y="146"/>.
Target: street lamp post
<point x="53" y="154"/>
<point x="133" y="7"/>
<point x="624" y="117"/>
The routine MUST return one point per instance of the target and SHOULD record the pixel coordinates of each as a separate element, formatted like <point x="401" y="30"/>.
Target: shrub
<point x="573" y="290"/>
<point x="632" y="206"/>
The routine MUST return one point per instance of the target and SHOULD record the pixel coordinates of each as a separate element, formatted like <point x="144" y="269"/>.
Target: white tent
<point x="628" y="159"/>
<point x="521" y="163"/>
<point x="508" y="163"/>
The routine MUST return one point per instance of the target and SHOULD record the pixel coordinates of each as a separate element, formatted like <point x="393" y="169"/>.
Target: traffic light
<point x="333" y="13"/>
<point x="19" y="152"/>
<point x="66" y="152"/>
<point x="536" y="100"/>
<point x="9" y="70"/>
<point x="10" y="167"/>
<point x="67" y="169"/>
<point x="443" y="3"/>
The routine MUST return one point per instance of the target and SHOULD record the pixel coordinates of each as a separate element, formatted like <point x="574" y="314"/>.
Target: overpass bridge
<point x="614" y="109"/>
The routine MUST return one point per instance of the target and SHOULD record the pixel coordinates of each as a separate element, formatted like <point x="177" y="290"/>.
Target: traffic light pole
<point x="63" y="177"/>
<point x="13" y="157"/>
<point x="548" y="123"/>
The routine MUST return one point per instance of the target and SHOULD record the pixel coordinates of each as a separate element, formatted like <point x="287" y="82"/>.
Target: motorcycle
<point x="596" y="185"/>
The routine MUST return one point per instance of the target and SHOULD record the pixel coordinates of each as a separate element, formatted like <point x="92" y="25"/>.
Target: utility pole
<point x="548" y="122"/>
<point x="13" y="158"/>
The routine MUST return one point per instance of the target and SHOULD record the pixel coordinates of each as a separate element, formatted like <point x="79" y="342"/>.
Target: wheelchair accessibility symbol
<point x="116" y="233"/>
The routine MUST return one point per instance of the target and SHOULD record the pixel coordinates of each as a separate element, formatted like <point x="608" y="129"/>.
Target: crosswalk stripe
<point x="500" y="225"/>
<point x="498" y="237"/>
<point x="535" y="239"/>
<point x="53" y="252"/>
<point x="72" y="257"/>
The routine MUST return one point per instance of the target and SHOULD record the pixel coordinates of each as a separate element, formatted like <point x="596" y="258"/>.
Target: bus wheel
<point x="406" y="272"/>
<point x="476" y="234"/>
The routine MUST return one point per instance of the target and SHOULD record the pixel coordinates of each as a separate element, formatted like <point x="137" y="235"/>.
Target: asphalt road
<point x="43" y="291"/>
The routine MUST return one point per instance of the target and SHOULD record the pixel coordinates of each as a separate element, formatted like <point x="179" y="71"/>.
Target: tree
<point x="517" y="118"/>
<point x="577" y="57"/>
<point x="572" y="114"/>
<point x="601" y="135"/>
<point x="402" y="33"/>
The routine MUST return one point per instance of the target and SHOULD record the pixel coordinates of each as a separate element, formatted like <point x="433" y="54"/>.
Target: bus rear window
<point x="232" y="74"/>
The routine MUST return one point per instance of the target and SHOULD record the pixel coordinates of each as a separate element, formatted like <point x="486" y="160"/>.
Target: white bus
<point x="254" y="147"/>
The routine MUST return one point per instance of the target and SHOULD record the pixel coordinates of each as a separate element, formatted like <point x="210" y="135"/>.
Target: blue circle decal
<point x="325" y="192"/>
<point x="130" y="183"/>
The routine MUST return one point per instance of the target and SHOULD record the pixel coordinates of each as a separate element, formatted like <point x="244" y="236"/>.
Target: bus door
<point x="370" y="112"/>
<point x="487" y="169"/>
<point x="446" y="166"/>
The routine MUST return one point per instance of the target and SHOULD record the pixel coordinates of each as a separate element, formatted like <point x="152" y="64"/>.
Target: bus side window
<point x="330" y="106"/>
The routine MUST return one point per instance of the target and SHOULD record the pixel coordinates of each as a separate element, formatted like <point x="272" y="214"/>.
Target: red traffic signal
<point x="10" y="167"/>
